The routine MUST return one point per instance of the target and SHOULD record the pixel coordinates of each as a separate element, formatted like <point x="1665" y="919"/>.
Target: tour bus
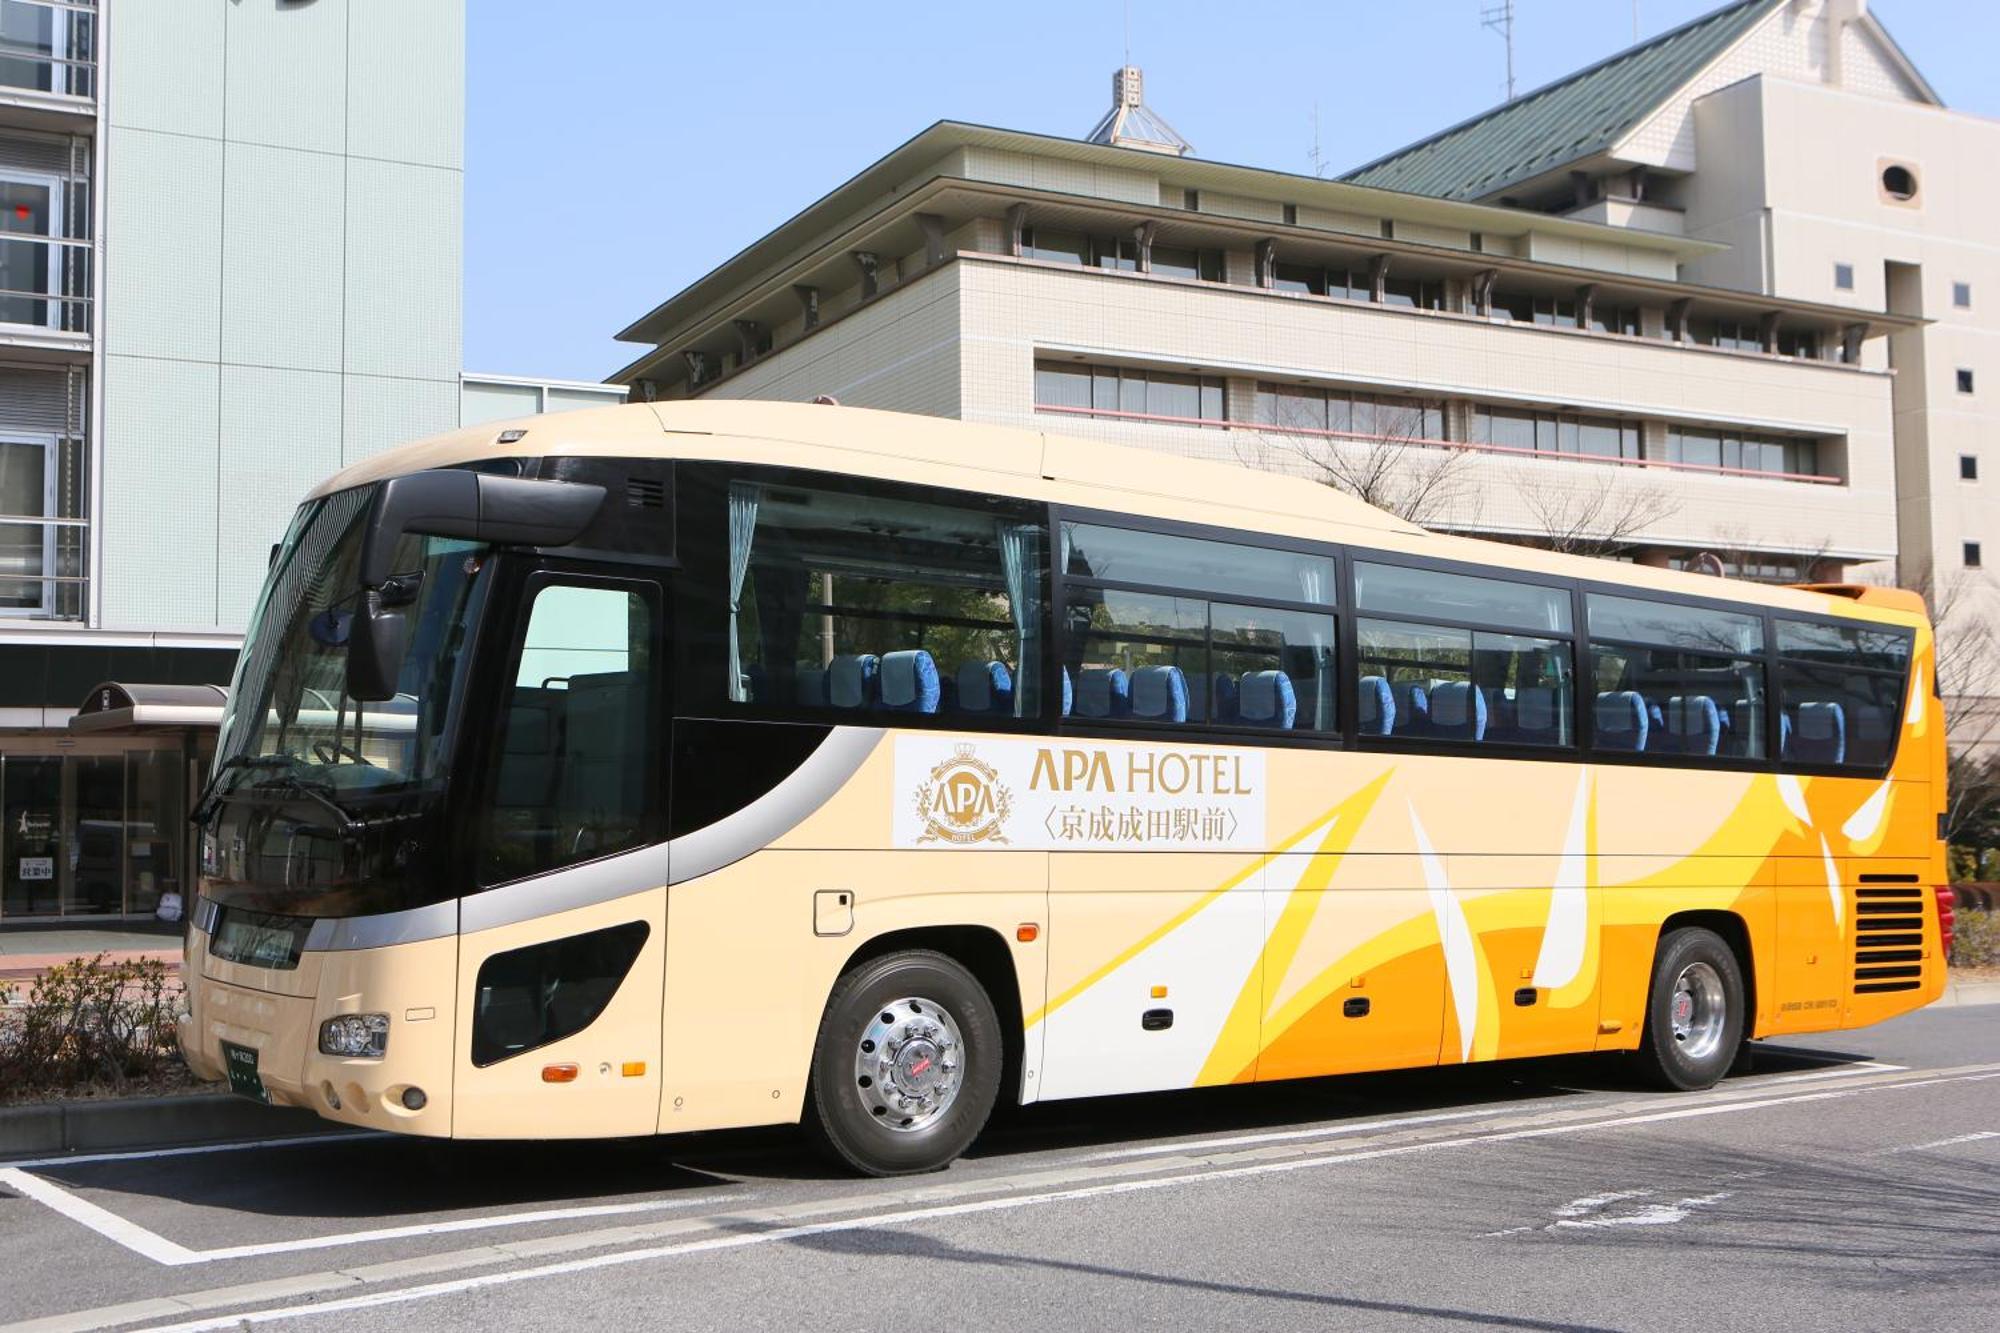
<point x="681" y="766"/>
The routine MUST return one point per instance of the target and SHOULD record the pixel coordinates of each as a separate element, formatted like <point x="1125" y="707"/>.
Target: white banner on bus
<point x="1042" y="795"/>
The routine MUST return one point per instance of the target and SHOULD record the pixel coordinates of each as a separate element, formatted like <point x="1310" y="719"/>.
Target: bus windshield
<point x="320" y="804"/>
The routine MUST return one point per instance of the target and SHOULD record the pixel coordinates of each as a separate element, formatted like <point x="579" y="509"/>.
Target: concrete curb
<point x="148" y="1122"/>
<point x="1970" y="992"/>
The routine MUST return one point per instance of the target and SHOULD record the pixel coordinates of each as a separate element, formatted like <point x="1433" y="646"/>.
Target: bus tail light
<point x="1947" y="917"/>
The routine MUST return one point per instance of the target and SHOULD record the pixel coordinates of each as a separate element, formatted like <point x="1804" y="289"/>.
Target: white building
<point x="229" y="264"/>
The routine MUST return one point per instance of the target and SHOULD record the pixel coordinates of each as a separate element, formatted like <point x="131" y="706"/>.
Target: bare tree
<point x="1735" y="548"/>
<point x="1594" y="516"/>
<point x="1391" y="457"/>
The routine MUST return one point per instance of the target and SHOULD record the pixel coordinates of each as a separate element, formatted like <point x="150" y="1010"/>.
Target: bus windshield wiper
<point x="287" y="765"/>
<point x="320" y="793"/>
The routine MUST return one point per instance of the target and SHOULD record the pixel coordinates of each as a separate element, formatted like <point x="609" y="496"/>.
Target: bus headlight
<point x="355" y="1035"/>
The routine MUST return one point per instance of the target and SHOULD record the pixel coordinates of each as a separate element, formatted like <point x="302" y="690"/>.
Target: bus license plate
<point x="241" y="1064"/>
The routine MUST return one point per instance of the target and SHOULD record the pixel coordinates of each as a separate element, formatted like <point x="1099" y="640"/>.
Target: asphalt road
<point x="1852" y="1181"/>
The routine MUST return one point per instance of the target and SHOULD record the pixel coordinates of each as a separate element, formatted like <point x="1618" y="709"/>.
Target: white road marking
<point x="1952" y="1142"/>
<point x="1327" y="1131"/>
<point x="1844" y="1071"/>
<point x="160" y="1250"/>
<point x="198" y="1150"/>
<point x="104" y="1222"/>
<point x="1007" y="1203"/>
<point x="1589" y="1214"/>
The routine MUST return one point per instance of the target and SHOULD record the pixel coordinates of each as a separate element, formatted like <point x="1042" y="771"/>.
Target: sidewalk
<point x="26" y="954"/>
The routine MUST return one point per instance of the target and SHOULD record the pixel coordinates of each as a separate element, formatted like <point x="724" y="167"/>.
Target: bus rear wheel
<point x="1694" y="1012"/>
<point x="907" y="1065"/>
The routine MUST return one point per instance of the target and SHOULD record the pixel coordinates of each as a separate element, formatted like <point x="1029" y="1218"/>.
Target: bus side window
<point x="574" y="775"/>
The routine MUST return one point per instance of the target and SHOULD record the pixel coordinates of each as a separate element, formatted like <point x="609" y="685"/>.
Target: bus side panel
<point x="1178" y="936"/>
<point x="751" y="963"/>
<point x="1354" y="976"/>
<point x="1641" y="893"/>
<point x="616" y="1087"/>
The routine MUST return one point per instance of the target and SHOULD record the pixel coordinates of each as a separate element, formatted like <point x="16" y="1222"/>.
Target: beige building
<point x="1798" y="134"/>
<point x="1593" y="345"/>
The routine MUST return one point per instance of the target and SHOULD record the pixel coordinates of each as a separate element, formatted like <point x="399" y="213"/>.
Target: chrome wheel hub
<point x="909" y="1063"/>
<point x="1699" y="1010"/>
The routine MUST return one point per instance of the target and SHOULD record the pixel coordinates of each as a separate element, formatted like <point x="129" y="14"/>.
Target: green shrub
<point x="1975" y="939"/>
<point x="90" y="1023"/>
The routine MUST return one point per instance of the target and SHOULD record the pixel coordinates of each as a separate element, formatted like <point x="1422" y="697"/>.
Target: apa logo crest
<point x="963" y="801"/>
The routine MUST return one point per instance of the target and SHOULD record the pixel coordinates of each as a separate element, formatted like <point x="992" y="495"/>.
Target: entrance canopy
<point x="114" y="708"/>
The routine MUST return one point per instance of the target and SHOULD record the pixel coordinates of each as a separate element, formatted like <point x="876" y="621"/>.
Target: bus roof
<point x="1036" y="465"/>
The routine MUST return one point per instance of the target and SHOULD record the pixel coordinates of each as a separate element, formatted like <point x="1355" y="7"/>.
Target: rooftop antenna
<point x="1128" y="31"/>
<point x="1635" y="22"/>
<point x="1317" y="158"/>
<point x="1500" y="18"/>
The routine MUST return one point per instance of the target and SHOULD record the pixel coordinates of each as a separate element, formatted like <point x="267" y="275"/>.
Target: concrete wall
<point x="282" y="247"/>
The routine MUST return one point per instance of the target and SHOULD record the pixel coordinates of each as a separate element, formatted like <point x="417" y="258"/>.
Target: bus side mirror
<point x="376" y="639"/>
<point x="446" y="502"/>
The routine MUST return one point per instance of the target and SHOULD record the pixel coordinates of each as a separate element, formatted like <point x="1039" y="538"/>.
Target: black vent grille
<point x="645" y="493"/>
<point x="1888" y="939"/>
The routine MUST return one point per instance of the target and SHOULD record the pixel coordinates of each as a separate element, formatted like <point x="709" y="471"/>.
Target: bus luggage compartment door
<point x="1131" y="933"/>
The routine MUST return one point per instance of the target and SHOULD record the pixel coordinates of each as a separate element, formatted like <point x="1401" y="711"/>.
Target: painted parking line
<point x="160" y="1250"/>
<point x="1318" y="1132"/>
<point x="197" y="1150"/>
<point x="742" y="1239"/>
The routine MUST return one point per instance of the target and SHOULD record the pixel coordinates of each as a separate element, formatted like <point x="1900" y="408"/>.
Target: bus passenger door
<point x="1154" y="971"/>
<point x="561" y="962"/>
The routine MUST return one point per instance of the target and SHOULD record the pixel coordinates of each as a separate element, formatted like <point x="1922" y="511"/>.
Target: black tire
<point x="844" y="1120"/>
<point x="1689" y="1065"/>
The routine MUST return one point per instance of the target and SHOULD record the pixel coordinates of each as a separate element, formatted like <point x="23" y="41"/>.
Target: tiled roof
<point x="1565" y="121"/>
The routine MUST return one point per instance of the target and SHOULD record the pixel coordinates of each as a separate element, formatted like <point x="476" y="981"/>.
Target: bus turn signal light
<point x="558" y="1073"/>
<point x="633" y="1069"/>
<point x="1027" y="932"/>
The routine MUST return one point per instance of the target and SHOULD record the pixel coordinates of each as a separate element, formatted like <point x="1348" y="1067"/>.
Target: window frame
<point x="509" y="632"/>
<point x="1351" y="655"/>
<point x="695" y="698"/>
<point x="1897" y="715"/>
<point x="1766" y="659"/>
<point x="52" y="299"/>
<point x="1339" y="737"/>
<point x="51" y="446"/>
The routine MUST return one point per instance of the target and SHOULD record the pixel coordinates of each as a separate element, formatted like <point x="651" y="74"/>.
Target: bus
<point x="687" y="766"/>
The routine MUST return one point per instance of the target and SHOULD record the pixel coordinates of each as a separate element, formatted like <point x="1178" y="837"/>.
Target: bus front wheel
<point x="1694" y="1012"/>
<point x="907" y="1065"/>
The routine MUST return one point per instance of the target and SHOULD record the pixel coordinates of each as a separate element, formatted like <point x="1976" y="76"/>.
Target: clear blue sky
<point x="618" y="149"/>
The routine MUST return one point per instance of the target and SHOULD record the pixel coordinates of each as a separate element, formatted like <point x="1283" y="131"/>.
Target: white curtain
<point x="1312" y="589"/>
<point x="742" y="528"/>
<point x="1020" y="561"/>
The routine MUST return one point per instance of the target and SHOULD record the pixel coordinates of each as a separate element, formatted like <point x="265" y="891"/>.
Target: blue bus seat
<point x="909" y="682"/>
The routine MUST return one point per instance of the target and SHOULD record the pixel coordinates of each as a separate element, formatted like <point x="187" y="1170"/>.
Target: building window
<point x="1804" y="343"/>
<point x="1416" y="293"/>
<point x="1605" y="318"/>
<point x="1335" y="411"/>
<point x="1291" y="215"/>
<point x="1735" y="335"/>
<point x="1961" y="295"/>
<point x="1388" y="229"/>
<point x="1175" y="262"/>
<point x="1478" y="241"/>
<point x="1125" y="391"/>
<point x="1964" y="380"/>
<point x="1899" y="183"/>
<point x="1742" y="453"/>
<point x="1843" y="277"/>
<point x="1191" y="200"/>
<point x="31" y="268"/>
<point x="1062" y="247"/>
<point x="1968" y="467"/>
<point x="1351" y="284"/>
<point x="1528" y="431"/>
<point x="1972" y="555"/>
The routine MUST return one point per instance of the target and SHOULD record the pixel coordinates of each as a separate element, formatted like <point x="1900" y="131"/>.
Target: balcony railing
<point x="49" y="46"/>
<point x="44" y="284"/>
<point x="43" y="568"/>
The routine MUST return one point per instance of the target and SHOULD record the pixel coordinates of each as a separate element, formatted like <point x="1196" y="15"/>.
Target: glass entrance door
<point x="30" y="835"/>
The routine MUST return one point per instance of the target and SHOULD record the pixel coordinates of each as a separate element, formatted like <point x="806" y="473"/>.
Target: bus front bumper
<point x="265" y="1046"/>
